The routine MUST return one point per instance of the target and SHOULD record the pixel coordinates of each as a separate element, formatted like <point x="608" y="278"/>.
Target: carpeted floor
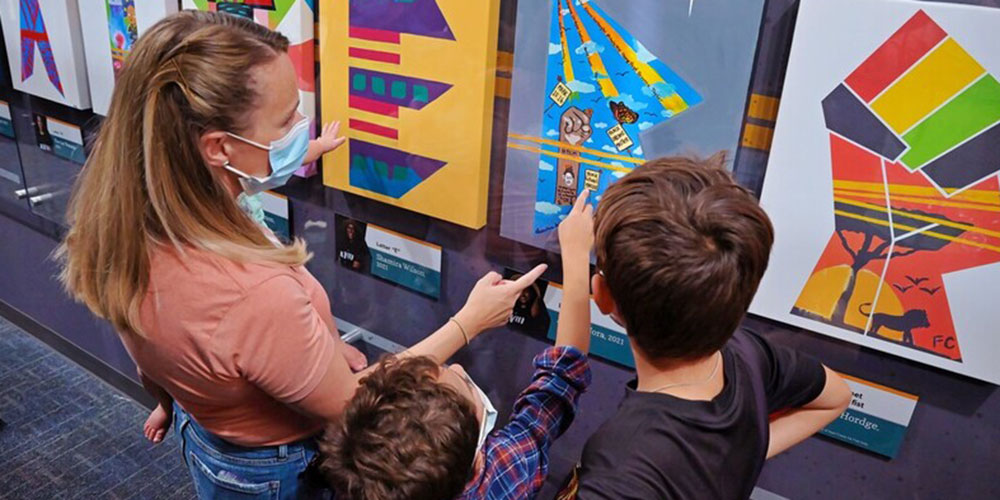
<point x="70" y="435"/>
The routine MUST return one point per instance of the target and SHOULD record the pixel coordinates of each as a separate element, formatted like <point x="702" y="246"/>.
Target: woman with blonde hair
<point x="230" y="332"/>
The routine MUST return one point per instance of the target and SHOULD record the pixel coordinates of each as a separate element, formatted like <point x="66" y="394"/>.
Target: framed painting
<point x="882" y="182"/>
<point x="45" y="50"/>
<point x="414" y="84"/>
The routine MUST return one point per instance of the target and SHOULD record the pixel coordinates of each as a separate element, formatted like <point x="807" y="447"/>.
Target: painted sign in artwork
<point x="292" y="18"/>
<point x="603" y="89"/>
<point x="44" y="50"/>
<point x="911" y="131"/>
<point x="413" y="82"/>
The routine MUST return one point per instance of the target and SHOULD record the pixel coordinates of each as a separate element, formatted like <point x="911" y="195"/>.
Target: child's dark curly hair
<point x="403" y="435"/>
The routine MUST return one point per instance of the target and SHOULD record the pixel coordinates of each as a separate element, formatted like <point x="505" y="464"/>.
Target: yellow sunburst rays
<point x="649" y="76"/>
<point x="593" y="56"/>
<point x="917" y="190"/>
<point x="567" y="62"/>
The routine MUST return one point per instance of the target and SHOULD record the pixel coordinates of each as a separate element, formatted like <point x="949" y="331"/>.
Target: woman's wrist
<point x="467" y="324"/>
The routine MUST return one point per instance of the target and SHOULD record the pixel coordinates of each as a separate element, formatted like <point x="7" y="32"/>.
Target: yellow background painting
<point x="454" y="128"/>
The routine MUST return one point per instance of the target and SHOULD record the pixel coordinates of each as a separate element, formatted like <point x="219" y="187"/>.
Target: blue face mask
<point x="285" y="156"/>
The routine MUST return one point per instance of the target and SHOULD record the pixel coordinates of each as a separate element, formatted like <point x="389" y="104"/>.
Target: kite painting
<point x="413" y="83"/>
<point x="44" y="53"/>
<point x="603" y="89"/>
<point x="913" y="134"/>
<point x="600" y="87"/>
<point x="292" y="18"/>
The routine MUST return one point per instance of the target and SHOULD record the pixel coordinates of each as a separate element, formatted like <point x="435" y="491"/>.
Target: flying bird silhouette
<point x="901" y="288"/>
<point x="916" y="281"/>
<point x="930" y="291"/>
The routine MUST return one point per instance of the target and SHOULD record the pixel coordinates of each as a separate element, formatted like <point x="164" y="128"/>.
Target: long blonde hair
<point x="146" y="182"/>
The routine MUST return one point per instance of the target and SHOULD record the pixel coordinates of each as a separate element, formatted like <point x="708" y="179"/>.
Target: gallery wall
<point x="947" y="451"/>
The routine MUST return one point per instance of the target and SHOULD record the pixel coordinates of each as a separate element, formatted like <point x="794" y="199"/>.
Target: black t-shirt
<point x="659" y="446"/>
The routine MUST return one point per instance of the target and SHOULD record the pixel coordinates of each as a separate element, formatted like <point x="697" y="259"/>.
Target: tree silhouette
<point x="878" y="237"/>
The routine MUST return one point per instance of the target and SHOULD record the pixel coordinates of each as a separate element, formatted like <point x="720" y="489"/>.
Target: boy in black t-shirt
<point x="681" y="249"/>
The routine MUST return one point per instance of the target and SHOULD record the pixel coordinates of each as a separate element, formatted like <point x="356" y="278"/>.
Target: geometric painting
<point x="598" y="87"/>
<point x="292" y="18"/>
<point x="913" y="134"/>
<point x="603" y="87"/>
<point x="112" y="28"/>
<point x="413" y="83"/>
<point x="44" y="48"/>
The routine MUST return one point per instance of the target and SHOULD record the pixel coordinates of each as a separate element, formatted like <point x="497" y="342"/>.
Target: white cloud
<point x="600" y="125"/>
<point x="661" y="89"/>
<point x="590" y="140"/>
<point x="546" y="166"/>
<point x="643" y="53"/>
<point x="589" y="48"/>
<point x="552" y="132"/>
<point x="633" y="104"/>
<point x="581" y="87"/>
<point x="618" y="175"/>
<point x="554" y="48"/>
<point x="645" y="125"/>
<point x="617" y="164"/>
<point x="667" y="113"/>
<point x="610" y="149"/>
<point x="547" y="208"/>
<point x="637" y="151"/>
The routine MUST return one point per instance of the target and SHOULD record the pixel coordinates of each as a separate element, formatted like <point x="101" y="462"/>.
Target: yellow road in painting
<point x="596" y="63"/>
<point x="530" y="149"/>
<point x="928" y="85"/>
<point x="650" y="76"/>
<point x="581" y="149"/>
<point x="567" y="63"/>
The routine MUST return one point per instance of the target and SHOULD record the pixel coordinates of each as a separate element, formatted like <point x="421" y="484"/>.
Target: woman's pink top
<point x="237" y="345"/>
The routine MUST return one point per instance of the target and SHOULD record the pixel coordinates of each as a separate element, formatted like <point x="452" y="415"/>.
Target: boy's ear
<point x="602" y="295"/>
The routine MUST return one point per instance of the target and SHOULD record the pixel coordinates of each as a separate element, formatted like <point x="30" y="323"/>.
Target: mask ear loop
<point x="238" y="172"/>
<point x="248" y="141"/>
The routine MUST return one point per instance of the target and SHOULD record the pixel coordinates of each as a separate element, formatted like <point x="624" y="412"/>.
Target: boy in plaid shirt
<point x="417" y="430"/>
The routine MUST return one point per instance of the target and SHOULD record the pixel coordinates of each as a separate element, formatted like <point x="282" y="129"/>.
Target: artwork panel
<point x="114" y="27"/>
<point x="413" y="82"/>
<point x="45" y="50"/>
<point x="893" y="268"/>
<point x="597" y="90"/>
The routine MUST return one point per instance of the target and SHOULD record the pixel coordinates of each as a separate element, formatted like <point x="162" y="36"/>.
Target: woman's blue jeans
<point x="222" y="470"/>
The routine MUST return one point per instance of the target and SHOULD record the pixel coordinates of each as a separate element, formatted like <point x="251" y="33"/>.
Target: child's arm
<point x="156" y="426"/>
<point x="326" y="142"/>
<point x="162" y="397"/>
<point x="576" y="239"/>
<point x="798" y="424"/>
<point x="516" y="455"/>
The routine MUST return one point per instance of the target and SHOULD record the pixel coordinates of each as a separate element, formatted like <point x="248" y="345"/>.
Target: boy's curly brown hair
<point x="403" y="435"/>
